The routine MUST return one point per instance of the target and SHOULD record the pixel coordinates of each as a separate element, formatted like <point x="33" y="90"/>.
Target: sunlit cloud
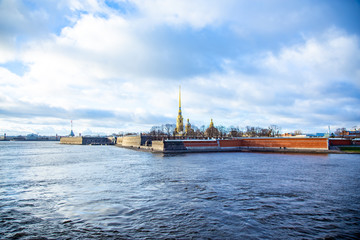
<point x="115" y="66"/>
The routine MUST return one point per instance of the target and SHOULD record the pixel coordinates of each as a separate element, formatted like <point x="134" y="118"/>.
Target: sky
<point x="116" y="65"/>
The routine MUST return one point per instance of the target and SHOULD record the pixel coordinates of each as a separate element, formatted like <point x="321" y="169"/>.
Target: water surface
<point x="54" y="191"/>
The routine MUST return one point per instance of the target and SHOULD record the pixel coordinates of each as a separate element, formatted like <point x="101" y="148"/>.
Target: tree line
<point x="168" y="130"/>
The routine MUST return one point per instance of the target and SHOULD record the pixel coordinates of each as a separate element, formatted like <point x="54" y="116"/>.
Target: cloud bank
<point x="116" y="65"/>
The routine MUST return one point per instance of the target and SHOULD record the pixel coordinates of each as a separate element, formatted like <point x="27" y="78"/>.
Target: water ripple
<point x="53" y="191"/>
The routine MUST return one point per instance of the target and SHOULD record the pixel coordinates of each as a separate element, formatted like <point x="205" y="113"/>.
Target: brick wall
<point x="339" y="142"/>
<point x="291" y="143"/>
<point x="206" y="143"/>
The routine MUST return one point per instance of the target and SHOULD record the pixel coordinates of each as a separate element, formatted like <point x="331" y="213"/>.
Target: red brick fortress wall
<point x="339" y="142"/>
<point x="201" y="143"/>
<point x="290" y="143"/>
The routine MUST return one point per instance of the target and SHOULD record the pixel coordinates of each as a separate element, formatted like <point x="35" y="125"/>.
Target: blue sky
<point x="115" y="65"/>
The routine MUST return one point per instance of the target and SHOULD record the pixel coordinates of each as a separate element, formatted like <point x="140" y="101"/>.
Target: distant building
<point x="352" y="134"/>
<point x="32" y="137"/>
<point x="319" y="135"/>
<point x="287" y="134"/>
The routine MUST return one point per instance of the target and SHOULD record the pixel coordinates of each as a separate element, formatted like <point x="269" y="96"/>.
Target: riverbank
<point x="254" y="150"/>
<point x="287" y="145"/>
<point x="350" y="149"/>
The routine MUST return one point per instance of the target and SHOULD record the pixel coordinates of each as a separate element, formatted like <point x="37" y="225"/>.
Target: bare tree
<point x="250" y="131"/>
<point x="222" y="131"/>
<point x="264" y="132"/>
<point x="199" y="133"/>
<point x="297" y="132"/>
<point x="340" y="132"/>
<point x="234" y="132"/>
<point x="169" y="128"/>
<point x="275" y="130"/>
<point x="156" y="131"/>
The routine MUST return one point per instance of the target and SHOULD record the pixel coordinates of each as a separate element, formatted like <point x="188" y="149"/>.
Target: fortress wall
<point x="111" y="140"/>
<point x="97" y="140"/>
<point x="339" y="142"/>
<point x="291" y="143"/>
<point x="226" y="145"/>
<point x="158" y="146"/>
<point x="174" y="145"/>
<point x="204" y="143"/>
<point x="71" y="140"/>
<point x="230" y="143"/>
<point x="131" y="141"/>
<point x="119" y="140"/>
<point x="145" y="140"/>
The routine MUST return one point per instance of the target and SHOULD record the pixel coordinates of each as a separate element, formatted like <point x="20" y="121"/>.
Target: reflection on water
<point x="58" y="191"/>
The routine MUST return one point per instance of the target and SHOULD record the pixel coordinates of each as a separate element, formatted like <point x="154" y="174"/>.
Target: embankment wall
<point x="130" y="141"/>
<point x="134" y="141"/>
<point x="339" y="142"/>
<point x="290" y="143"/>
<point x="242" y="144"/>
<point x="71" y="140"/>
<point x="248" y="143"/>
<point x="158" y="146"/>
<point x="119" y="140"/>
<point x="97" y="141"/>
<point x="87" y="140"/>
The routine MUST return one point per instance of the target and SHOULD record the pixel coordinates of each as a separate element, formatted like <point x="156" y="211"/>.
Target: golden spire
<point x="211" y="124"/>
<point x="179" y="120"/>
<point x="179" y="98"/>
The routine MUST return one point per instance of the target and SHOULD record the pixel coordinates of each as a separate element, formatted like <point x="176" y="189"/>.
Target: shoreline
<point x="249" y="150"/>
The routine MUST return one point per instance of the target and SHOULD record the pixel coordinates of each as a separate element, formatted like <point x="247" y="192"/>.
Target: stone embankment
<point x="88" y="140"/>
<point x="295" y="145"/>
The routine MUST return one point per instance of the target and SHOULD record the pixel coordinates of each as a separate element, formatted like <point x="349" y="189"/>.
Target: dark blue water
<point x="54" y="191"/>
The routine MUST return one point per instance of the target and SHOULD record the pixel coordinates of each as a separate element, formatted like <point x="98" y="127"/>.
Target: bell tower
<point x="179" y="120"/>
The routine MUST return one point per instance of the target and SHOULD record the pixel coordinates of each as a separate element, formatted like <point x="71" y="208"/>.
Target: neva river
<point x="54" y="191"/>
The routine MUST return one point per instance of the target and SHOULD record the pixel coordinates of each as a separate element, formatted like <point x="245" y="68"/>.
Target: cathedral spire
<point x="179" y="120"/>
<point x="179" y="98"/>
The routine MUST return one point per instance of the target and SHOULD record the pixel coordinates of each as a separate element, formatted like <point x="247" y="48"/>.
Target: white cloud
<point x="196" y="13"/>
<point x="332" y="56"/>
<point x="243" y="17"/>
<point x="306" y="85"/>
<point x="108" y="70"/>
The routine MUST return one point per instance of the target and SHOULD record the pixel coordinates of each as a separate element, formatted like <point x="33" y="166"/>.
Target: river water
<point x="54" y="191"/>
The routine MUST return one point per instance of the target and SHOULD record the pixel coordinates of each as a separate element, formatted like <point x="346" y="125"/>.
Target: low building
<point x="352" y="134"/>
